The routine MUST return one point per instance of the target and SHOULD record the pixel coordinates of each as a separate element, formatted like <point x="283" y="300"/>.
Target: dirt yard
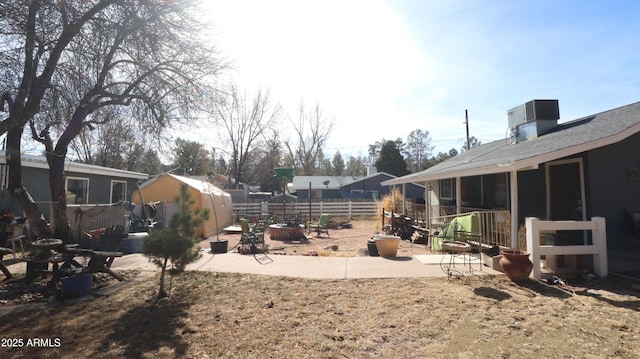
<point x="351" y="242"/>
<point x="213" y="315"/>
<point x="216" y="315"/>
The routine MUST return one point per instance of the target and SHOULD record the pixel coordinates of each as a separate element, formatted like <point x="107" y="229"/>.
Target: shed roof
<point x="566" y="139"/>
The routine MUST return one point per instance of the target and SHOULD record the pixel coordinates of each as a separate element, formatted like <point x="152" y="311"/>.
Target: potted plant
<point x="219" y="245"/>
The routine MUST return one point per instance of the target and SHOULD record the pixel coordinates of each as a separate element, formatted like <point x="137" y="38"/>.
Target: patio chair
<point x="17" y="235"/>
<point x="107" y="248"/>
<point x="321" y="226"/>
<point x="251" y="237"/>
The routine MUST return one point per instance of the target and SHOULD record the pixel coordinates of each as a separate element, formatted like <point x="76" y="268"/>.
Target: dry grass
<point x="213" y="315"/>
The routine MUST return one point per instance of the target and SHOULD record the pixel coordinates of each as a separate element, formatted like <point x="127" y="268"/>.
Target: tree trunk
<point x="57" y="186"/>
<point x="162" y="293"/>
<point x="18" y="192"/>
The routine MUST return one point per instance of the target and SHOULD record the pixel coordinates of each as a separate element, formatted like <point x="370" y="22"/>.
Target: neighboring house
<point x="371" y="187"/>
<point x="239" y="191"/>
<point x="322" y="187"/>
<point x="84" y="183"/>
<point x="350" y="187"/>
<point x="576" y="170"/>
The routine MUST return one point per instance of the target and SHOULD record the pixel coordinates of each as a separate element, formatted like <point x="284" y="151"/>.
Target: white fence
<point x="598" y="249"/>
<point x="347" y="210"/>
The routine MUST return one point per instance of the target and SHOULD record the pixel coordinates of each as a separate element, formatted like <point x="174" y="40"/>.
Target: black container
<point x="219" y="246"/>
<point x="372" y="248"/>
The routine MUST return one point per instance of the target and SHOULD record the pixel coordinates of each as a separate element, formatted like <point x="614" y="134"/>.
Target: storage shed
<point x="207" y="196"/>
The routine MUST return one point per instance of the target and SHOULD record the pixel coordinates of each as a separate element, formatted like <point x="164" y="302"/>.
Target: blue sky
<point x="385" y="68"/>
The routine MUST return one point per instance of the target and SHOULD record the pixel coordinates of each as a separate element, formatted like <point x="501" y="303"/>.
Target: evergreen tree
<point x="391" y="160"/>
<point x="338" y="164"/>
<point x="176" y="243"/>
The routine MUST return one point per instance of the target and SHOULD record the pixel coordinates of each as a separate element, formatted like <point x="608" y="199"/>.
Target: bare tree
<point x="312" y="129"/>
<point x="418" y="149"/>
<point x="245" y="122"/>
<point x="119" y="143"/>
<point x="77" y="59"/>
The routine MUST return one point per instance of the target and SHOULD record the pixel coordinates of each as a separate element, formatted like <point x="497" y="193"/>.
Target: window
<point x="471" y="191"/>
<point x="446" y="188"/>
<point x="118" y="191"/>
<point x="496" y="190"/>
<point x="77" y="190"/>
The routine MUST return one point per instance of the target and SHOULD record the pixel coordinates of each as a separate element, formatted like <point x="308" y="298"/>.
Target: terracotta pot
<point x="516" y="264"/>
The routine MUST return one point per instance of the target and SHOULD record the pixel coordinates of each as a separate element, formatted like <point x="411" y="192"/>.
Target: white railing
<point x="598" y="249"/>
<point x="494" y="225"/>
<point x="347" y="209"/>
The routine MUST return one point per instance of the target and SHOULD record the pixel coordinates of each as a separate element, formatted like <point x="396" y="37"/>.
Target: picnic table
<point x="63" y="257"/>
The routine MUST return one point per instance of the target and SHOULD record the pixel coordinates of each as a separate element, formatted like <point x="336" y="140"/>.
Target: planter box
<point x="279" y="232"/>
<point x="492" y="262"/>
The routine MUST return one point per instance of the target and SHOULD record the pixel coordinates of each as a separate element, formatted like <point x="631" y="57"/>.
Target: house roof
<point x="377" y="174"/>
<point x="41" y="162"/>
<point x="566" y="139"/>
<point x="318" y="182"/>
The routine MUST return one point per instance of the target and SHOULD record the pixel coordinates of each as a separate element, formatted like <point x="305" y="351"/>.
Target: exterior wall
<point x="36" y="181"/>
<point x="614" y="186"/>
<point x="368" y="184"/>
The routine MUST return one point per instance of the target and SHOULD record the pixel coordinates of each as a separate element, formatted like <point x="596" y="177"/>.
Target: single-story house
<point x="351" y="187"/>
<point x="371" y="187"/>
<point x="322" y="187"/>
<point x="575" y="170"/>
<point x="239" y="191"/>
<point x="84" y="183"/>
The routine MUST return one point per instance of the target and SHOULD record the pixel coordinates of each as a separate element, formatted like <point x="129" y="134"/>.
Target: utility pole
<point x="466" y="122"/>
